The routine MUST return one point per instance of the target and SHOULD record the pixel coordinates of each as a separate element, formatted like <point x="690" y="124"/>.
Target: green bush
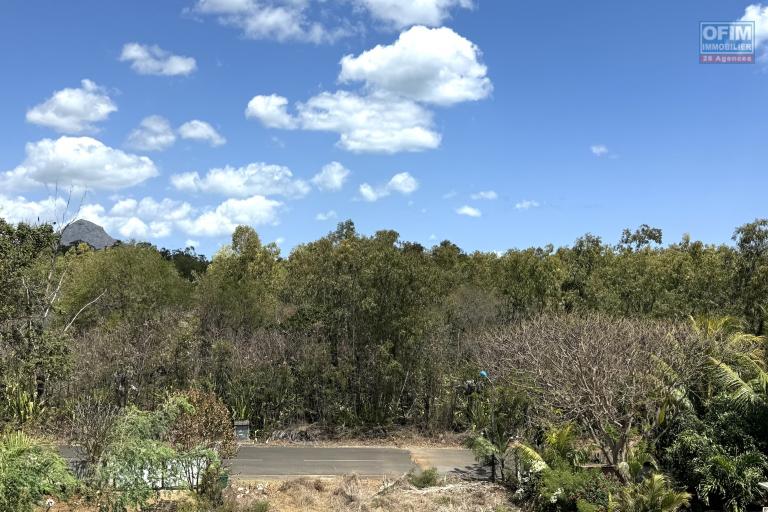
<point x="29" y="471"/>
<point x="259" y="506"/>
<point x="426" y="478"/>
<point x="572" y="489"/>
<point x="212" y="485"/>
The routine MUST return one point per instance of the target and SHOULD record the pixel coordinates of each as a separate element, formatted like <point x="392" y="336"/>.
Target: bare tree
<point x="91" y="429"/>
<point x="615" y="377"/>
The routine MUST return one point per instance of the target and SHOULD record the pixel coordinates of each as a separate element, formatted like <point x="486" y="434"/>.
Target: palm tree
<point x="736" y="360"/>
<point x="653" y="494"/>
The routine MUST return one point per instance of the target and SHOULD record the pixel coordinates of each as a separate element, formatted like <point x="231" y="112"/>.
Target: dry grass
<point x="339" y="437"/>
<point x="342" y="494"/>
<point x="353" y="494"/>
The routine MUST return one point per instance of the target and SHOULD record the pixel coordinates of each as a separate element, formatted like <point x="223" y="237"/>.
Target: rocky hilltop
<point x="83" y="231"/>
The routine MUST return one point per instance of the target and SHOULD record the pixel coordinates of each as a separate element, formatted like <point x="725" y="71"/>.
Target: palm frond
<point x="729" y="380"/>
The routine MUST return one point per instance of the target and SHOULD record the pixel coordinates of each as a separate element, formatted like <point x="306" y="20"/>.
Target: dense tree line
<point x="361" y="331"/>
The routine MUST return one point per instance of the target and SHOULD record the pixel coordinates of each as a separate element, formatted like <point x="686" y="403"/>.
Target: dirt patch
<point x="350" y="493"/>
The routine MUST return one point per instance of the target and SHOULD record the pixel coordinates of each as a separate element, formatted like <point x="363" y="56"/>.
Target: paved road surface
<point x="258" y="461"/>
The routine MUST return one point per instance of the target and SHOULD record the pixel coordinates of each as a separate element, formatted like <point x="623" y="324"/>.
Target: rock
<point x="83" y="231"/>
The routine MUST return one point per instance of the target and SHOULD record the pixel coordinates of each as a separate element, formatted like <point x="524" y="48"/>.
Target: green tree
<point x="752" y="281"/>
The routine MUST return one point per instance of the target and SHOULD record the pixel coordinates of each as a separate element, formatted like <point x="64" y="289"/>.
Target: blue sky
<point x="492" y="123"/>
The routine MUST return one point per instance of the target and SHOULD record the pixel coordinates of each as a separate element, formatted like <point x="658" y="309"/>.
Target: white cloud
<point x="134" y="228"/>
<point x="404" y="13"/>
<point x="402" y="183"/>
<point x="73" y="110"/>
<point x="78" y="162"/>
<point x="430" y="65"/>
<point x="330" y="214"/>
<point x="424" y="66"/>
<point x="153" y="60"/>
<point x="469" y="211"/>
<point x="191" y="243"/>
<point x="147" y="218"/>
<point x="271" y="110"/>
<point x="331" y="177"/>
<point x="153" y="134"/>
<point x="201" y="131"/>
<point x="282" y="20"/>
<point x="759" y="14"/>
<point x="599" y="150"/>
<point x="526" y="204"/>
<point x="319" y="21"/>
<point x="149" y="208"/>
<point x="20" y="209"/>
<point x="377" y="123"/>
<point x="485" y="194"/>
<point x="255" y="210"/>
<point x="139" y="219"/>
<point x="254" y="179"/>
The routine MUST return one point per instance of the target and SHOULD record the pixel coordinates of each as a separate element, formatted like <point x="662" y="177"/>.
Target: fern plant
<point x="654" y="494"/>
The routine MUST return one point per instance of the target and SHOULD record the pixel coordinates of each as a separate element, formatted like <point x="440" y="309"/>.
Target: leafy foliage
<point x="29" y="471"/>
<point x="372" y="332"/>
<point x="653" y="494"/>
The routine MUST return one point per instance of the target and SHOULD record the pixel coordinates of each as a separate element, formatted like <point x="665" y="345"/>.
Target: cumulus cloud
<point x="78" y="162"/>
<point x="331" y="177"/>
<point x="430" y="65"/>
<point x="320" y="22"/>
<point x="404" y="13"/>
<point x="149" y="218"/>
<point x="153" y="134"/>
<point x="254" y="179"/>
<point x="153" y="60"/>
<point x="376" y="123"/>
<point x="282" y="20"/>
<point x="402" y="183"/>
<point x="469" y="211"/>
<point x="73" y="110"/>
<point x="255" y="210"/>
<point x="599" y="150"/>
<point x="424" y="66"/>
<point x="145" y="218"/>
<point x="201" y="131"/>
<point x="323" y="216"/>
<point x="485" y="194"/>
<point x="271" y="110"/>
<point x="526" y="204"/>
<point x="759" y="14"/>
<point x="21" y="209"/>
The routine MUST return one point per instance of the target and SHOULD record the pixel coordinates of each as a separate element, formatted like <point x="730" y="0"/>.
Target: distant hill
<point x="83" y="231"/>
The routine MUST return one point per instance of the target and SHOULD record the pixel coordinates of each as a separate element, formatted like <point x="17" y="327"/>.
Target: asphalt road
<point x="261" y="461"/>
<point x="258" y="461"/>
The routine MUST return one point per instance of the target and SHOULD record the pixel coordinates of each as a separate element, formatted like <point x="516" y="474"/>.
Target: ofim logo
<point x="727" y="42"/>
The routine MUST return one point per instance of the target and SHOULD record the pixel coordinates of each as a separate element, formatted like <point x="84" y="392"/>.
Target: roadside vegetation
<point x="594" y="377"/>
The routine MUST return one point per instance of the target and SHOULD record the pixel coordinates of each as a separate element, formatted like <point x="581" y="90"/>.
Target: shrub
<point x="207" y="423"/>
<point x="426" y="478"/>
<point x="568" y="488"/>
<point x="259" y="506"/>
<point x="212" y="485"/>
<point x="654" y="494"/>
<point x="30" y="470"/>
